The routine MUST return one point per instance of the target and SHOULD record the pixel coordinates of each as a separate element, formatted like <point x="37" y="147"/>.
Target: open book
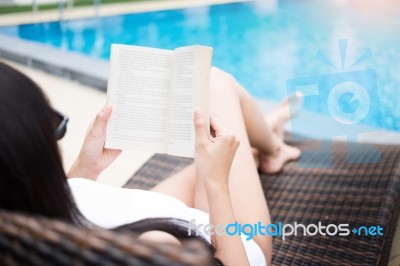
<point x="153" y="93"/>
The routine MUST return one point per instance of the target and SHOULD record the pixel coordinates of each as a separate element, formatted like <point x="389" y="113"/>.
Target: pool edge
<point x="71" y="65"/>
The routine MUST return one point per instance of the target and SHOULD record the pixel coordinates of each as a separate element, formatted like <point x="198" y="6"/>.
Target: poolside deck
<point x="105" y="10"/>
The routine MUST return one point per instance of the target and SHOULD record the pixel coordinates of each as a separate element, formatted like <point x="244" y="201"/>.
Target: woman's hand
<point x="213" y="155"/>
<point x="93" y="157"/>
<point x="213" y="158"/>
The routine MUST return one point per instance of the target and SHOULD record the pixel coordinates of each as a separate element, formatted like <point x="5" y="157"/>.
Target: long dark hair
<point x="32" y="176"/>
<point x="32" y="179"/>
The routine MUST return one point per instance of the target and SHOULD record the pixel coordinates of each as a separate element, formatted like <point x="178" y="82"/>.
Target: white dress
<point x="110" y="207"/>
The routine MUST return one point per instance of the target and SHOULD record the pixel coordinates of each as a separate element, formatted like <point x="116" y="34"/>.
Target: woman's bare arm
<point x="213" y="160"/>
<point x="229" y="249"/>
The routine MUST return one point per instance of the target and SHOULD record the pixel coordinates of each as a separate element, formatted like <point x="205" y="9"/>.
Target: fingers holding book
<point x="93" y="158"/>
<point x="213" y="154"/>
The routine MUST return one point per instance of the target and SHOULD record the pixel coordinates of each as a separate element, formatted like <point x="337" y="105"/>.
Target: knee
<point x="220" y="76"/>
<point x="222" y="81"/>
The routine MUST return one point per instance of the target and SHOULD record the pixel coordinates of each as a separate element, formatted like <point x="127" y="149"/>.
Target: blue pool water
<point x="264" y="44"/>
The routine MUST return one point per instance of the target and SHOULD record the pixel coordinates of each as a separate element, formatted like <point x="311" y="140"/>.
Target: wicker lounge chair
<point x="357" y="194"/>
<point x="27" y="240"/>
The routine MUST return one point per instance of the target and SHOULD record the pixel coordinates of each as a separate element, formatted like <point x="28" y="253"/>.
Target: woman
<point x="222" y="187"/>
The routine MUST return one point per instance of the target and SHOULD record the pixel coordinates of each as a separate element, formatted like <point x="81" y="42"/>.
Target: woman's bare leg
<point x="277" y="119"/>
<point x="266" y="138"/>
<point x="180" y="185"/>
<point x="239" y="112"/>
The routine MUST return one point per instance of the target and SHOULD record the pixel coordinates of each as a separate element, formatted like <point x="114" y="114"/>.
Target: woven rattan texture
<point x="356" y="194"/>
<point x="27" y="240"/>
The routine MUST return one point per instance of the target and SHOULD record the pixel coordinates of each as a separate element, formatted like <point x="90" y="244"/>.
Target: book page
<point x="138" y="91"/>
<point x="189" y="90"/>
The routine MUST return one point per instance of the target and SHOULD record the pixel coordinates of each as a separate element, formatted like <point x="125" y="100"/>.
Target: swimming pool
<point x="262" y="43"/>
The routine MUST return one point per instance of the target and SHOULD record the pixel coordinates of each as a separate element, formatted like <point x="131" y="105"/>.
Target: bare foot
<point x="282" y="113"/>
<point x="273" y="163"/>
